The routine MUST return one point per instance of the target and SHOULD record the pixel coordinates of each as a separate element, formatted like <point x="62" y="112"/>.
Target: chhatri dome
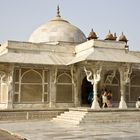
<point x="57" y="29"/>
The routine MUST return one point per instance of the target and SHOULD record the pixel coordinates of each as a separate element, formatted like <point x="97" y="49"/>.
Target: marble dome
<point x="57" y="29"/>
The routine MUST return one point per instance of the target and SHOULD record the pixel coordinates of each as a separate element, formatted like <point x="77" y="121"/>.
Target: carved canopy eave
<point x="105" y="65"/>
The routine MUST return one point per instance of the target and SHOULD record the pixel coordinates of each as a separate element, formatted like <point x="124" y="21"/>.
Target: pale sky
<point x="19" y="18"/>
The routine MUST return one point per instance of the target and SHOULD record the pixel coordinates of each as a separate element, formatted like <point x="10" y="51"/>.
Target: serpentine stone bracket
<point x="2" y="75"/>
<point x="93" y="75"/>
<point x="127" y="73"/>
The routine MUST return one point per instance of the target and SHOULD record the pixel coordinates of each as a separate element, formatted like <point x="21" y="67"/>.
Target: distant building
<point x="59" y="66"/>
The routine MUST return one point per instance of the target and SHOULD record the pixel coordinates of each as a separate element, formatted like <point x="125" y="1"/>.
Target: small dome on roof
<point x="123" y="38"/>
<point x="92" y="35"/>
<point x="57" y="29"/>
<point x="110" y="36"/>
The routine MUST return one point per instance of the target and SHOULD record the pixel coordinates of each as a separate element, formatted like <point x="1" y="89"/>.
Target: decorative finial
<point x="92" y="35"/>
<point x="109" y="36"/>
<point x="58" y="11"/>
<point x="115" y="36"/>
<point x="123" y="38"/>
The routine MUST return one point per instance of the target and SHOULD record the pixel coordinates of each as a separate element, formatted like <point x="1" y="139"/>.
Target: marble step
<point x="99" y="119"/>
<point x="72" y="115"/>
<point x="69" y="121"/>
<point x="77" y="117"/>
<point x="70" y="118"/>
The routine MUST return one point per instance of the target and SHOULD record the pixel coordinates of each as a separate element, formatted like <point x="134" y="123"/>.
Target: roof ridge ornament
<point x="110" y="36"/>
<point x="123" y="38"/>
<point x="58" y="11"/>
<point x="92" y="35"/>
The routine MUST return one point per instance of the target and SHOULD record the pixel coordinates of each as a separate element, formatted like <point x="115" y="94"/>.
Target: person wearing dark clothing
<point x="90" y="97"/>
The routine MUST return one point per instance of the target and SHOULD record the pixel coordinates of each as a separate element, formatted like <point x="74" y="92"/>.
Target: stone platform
<point x="30" y="114"/>
<point x="105" y="124"/>
<point x="109" y="115"/>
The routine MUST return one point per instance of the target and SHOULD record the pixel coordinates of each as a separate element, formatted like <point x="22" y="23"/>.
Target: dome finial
<point x="123" y="38"/>
<point x="58" y="11"/>
<point x="92" y="35"/>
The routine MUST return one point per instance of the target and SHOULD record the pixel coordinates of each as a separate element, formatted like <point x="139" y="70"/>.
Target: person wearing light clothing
<point x="138" y="103"/>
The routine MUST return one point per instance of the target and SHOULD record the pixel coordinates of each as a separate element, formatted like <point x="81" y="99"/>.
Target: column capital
<point x="125" y="73"/>
<point x="93" y="74"/>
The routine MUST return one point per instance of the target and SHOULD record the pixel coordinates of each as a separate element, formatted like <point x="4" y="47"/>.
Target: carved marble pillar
<point x="95" y="104"/>
<point x="75" y="73"/>
<point x="2" y="76"/>
<point x="125" y="72"/>
<point x="52" y="91"/>
<point x="10" y="87"/>
<point x="94" y="77"/>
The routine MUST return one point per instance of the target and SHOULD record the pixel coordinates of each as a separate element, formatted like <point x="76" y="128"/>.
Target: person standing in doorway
<point x="90" y="97"/>
<point x="109" y="99"/>
<point x="104" y="97"/>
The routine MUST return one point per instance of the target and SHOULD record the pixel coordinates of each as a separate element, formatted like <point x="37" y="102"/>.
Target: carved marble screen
<point x="31" y="85"/>
<point x="134" y="86"/>
<point x="64" y="88"/>
<point x="114" y="86"/>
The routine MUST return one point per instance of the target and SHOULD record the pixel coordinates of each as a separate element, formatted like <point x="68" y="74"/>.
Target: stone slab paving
<point x="47" y="130"/>
<point x="4" y="135"/>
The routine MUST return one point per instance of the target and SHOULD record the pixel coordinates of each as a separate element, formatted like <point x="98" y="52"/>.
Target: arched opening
<point x="113" y="86"/>
<point x="31" y="87"/>
<point x="85" y="90"/>
<point x="64" y="89"/>
<point x="134" y="86"/>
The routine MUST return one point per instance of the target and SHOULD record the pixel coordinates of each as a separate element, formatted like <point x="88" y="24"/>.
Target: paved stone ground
<point x="46" y="130"/>
<point x="4" y="135"/>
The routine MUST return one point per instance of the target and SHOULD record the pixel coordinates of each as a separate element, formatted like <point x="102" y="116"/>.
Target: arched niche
<point x="134" y="86"/>
<point x="31" y="87"/>
<point x="64" y="88"/>
<point x="114" y="85"/>
<point x="86" y="88"/>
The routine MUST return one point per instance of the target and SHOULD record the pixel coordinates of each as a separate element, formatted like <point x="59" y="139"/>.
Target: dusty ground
<point x="4" y="135"/>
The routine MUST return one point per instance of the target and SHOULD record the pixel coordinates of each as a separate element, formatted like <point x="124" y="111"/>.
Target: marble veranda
<point x="59" y="64"/>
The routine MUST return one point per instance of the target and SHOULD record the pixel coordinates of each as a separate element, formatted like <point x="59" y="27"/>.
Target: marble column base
<point x="122" y="105"/>
<point x="95" y="105"/>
